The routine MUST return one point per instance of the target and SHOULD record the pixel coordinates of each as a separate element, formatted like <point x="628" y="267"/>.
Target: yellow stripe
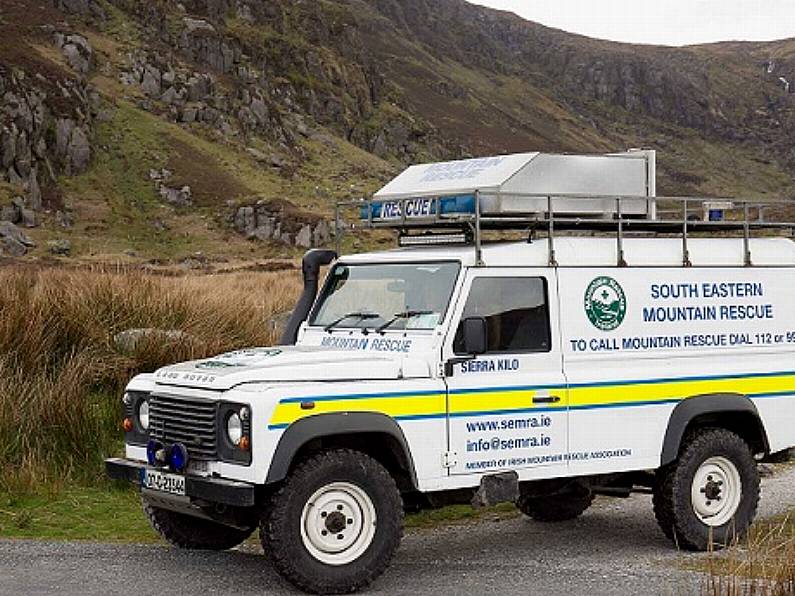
<point x="516" y="399"/>
<point x="627" y="394"/>
<point x="409" y="405"/>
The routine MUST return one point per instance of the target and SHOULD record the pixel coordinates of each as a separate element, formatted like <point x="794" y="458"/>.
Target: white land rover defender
<point x="615" y="347"/>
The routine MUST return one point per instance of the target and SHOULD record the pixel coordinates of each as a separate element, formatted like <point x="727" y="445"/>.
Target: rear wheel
<point x="708" y="497"/>
<point x="335" y="524"/>
<point x="555" y="508"/>
<point x="186" y="531"/>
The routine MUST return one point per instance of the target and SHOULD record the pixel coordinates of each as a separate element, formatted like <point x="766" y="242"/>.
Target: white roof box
<point x="521" y="183"/>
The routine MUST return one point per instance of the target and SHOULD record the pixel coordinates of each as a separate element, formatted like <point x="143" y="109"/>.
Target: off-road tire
<point x="186" y="531"/>
<point x="555" y="508"/>
<point x="280" y="525"/>
<point x="673" y="505"/>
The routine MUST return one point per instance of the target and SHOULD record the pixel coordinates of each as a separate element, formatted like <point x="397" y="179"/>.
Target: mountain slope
<point x="230" y="127"/>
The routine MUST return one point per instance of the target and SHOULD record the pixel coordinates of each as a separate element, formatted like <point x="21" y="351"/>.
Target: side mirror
<point x="476" y="335"/>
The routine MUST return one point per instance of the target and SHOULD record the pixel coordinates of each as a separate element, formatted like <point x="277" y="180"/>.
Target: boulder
<point x="128" y="341"/>
<point x="196" y="25"/>
<point x="179" y="197"/>
<point x="59" y="247"/>
<point x="11" y="247"/>
<point x="9" y="230"/>
<point x="188" y="115"/>
<point x="8" y="146"/>
<point x="151" y="82"/>
<point x="79" y="151"/>
<point x="257" y="154"/>
<point x="76" y="59"/>
<point x="245" y="221"/>
<point x="170" y="96"/>
<point x="34" y="191"/>
<point x="9" y="213"/>
<point x="260" y="110"/>
<point x="13" y="241"/>
<point x="28" y="218"/>
<point x="304" y="237"/>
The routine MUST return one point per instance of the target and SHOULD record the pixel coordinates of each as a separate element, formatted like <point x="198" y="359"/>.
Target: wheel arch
<point x="732" y="411"/>
<point x="375" y="434"/>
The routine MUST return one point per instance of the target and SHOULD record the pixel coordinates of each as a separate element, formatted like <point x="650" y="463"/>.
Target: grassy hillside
<point x="317" y="102"/>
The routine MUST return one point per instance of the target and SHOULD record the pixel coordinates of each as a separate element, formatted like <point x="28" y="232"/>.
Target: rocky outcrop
<point x="77" y="51"/>
<point x="281" y="221"/>
<point x="45" y="125"/>
<point x="189" y="96"/>
<point x="86" y="8"/>
<point x="177" y="197"/>
<point x="13" y="241"/>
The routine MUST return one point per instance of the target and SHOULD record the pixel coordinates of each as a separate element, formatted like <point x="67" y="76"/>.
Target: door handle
<point x="546" y="399"/>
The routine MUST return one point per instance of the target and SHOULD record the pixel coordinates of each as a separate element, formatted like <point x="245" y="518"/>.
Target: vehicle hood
<point x="290" y="364"/>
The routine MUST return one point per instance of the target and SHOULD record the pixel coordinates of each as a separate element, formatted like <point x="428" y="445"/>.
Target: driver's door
<point x="508" y="408"/>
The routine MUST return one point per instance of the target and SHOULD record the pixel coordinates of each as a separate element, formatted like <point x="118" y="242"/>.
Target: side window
<point x="516" y="313"/>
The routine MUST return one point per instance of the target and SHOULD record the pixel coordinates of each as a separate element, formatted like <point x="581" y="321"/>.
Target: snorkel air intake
<point x="310" y="267"/>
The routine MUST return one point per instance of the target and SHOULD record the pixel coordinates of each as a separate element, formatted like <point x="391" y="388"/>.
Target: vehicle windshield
<point x="410" y="295"/>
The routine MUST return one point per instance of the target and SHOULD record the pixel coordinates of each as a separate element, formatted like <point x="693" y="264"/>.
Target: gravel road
<point x="614" y="549"/>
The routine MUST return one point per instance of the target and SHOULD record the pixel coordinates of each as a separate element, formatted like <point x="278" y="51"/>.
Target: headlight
<point x="234" y="428"/>
<point x="143" y="414"/>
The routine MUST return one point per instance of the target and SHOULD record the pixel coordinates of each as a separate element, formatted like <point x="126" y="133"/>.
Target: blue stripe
<point x="632" y="404"/>
<point x="681" y="379"/>
<point x="481" y="413"/>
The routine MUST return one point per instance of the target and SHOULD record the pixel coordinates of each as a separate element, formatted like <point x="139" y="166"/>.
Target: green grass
<point x="458" y="514"/>
<point x="112" y="513"/>
<point x="104" y="514"/>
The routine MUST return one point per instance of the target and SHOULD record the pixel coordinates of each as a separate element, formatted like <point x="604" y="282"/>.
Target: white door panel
<point x="508" y="409"/>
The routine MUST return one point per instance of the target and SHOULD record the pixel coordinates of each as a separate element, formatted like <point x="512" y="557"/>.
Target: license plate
<point x="163" y="482"/>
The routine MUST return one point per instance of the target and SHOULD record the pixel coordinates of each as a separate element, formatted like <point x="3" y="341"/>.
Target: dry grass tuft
<point x="763" y="565"/>
<point x="61" y="374"/>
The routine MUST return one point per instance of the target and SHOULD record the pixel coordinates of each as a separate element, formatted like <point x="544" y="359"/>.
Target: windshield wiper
<point x="409" y="314"/>
<point x="361" y="316"/>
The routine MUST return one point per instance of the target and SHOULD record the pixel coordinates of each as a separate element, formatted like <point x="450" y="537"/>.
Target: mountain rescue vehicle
<point x="548" y="330"/>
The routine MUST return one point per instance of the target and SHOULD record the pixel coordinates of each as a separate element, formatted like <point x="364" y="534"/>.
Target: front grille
<point x="186" y="420"/>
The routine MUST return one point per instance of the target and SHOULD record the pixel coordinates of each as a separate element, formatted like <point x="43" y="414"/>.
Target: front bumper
<point x="212" y="490"/>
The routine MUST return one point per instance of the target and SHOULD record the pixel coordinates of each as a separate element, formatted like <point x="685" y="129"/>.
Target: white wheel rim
<point x="338" y="523"/>
<point x="716" y="492"/>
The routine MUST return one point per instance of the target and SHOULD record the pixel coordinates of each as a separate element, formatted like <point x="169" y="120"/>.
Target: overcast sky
<point x="670" y="22"/>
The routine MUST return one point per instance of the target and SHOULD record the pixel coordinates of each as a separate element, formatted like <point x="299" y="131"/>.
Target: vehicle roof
<point x="578" y="251"/>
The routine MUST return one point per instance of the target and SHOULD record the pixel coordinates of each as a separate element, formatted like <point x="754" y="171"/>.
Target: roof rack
<point x="679" y="216"/>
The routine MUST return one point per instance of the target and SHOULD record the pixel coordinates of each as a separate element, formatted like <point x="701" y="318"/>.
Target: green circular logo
<point x="605" y="303"/>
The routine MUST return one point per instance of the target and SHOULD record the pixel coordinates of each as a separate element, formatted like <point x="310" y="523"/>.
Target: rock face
<point x="281" y="221"/>
<point x="45" y="126"/>
<point x="405" y="80"/>
<point x="90" y="8"/>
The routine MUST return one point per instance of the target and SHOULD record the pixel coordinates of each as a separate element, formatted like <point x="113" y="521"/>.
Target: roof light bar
<point x="433" y="239"/>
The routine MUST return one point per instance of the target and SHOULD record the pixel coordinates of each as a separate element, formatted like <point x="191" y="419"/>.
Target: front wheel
<point x="335" y="524"/>
<point x="708" y="496"/>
